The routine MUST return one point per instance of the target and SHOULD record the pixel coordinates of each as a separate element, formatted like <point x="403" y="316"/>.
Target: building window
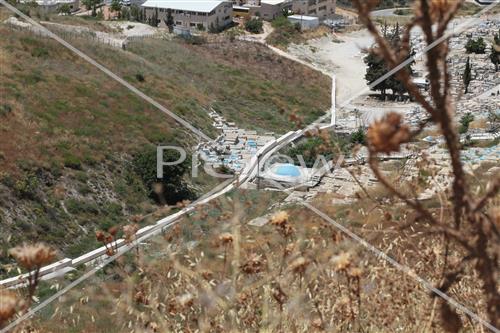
<point x="322" y="8"/>
<point x="178" y="23"/>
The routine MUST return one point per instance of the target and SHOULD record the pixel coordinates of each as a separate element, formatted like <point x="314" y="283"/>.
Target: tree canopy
<point x="477" y="46"/>
<point x="377" y="66"/>
<point x="495" y="51"/>
<point x="467" y="75"/>
<point x="254" y="26"/>
<point x="171" y="188"/>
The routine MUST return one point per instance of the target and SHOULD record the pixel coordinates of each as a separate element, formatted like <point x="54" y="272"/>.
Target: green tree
<point x="171" y="188"/>
<point x="154" y="19"/>
<point x="495" y="51"/>
<point x="495" y="56"/>
<point x="376" y="67"/>
<point x="254" y="26"/>
<point x="467" y="75"/>
<point x="465" y="122"/>
<point x="136" y="13"/>
<point x="92" y="4"/>
<point x="116" y="6"/>
<point x="169" y="21"/>
<point x="358" y="137"/>
<point x="64" y="9"/>
<point x="477" y="46"/>
<point x="125" y="13"/>
<point x="308" y="149"/>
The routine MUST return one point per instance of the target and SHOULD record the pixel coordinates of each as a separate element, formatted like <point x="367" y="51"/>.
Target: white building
<point x="305" y="22"/>
<point x="191" y="15"/>
<point x="320" y="8"/>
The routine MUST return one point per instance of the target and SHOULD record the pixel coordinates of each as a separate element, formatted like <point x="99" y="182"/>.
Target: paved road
<point x="386" y="12"/>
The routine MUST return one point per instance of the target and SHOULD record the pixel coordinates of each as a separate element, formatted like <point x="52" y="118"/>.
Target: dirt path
<point x="342" y="56"/>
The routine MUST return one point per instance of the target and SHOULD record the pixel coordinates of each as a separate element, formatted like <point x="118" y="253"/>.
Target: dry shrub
<point x="471" y="229"/>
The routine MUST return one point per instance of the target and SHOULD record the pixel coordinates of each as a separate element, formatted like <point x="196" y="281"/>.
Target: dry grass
<point x="309" y="279"/>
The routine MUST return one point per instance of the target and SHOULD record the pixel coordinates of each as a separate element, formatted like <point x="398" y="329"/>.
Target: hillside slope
<point x="68" y="133"/>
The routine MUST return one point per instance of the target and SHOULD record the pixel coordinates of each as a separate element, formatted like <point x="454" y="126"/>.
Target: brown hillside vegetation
<point x="295" y="274"/>
<point x="68" y="132"/>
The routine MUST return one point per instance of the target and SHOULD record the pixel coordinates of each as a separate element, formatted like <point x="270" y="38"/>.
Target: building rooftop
<point x="49" y="2"/>
<point x="303" y="17"/>
<point x="273" y="2"/>
<point x="203" y="6"/>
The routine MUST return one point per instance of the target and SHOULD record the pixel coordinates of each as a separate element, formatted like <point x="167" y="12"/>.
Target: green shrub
<point x="27" y="186"/>
<point x="285" y="32"/>
<point x="84" y="189"/>
<point x="173" y="188"/>
<point x="40" y="52"/>
<point x="6" y="179"/>
<point x="254" y="26"/>
<point x="465" y="122"/>
<point x="358" y="137"/>
<point x="5" y="109"/>
<point x="193" y="40"/>
<point x="75" y="207"/>
<point x="139" y="77"/>
<point x="477" y="46"/>
<point x="34" y="77"/>
<point x="81" y="176"/>
<point x="64" y="9"/>
<point x="72" y="161"/>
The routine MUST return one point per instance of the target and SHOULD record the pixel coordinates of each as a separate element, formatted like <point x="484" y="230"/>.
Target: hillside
<point x="69" y="133"/>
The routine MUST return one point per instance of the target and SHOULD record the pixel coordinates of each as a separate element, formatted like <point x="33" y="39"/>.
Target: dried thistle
<point x="9" y="303"/>
<point x="281" y="221"/>
<point x="186" y="300"/>
<point x="140" y="298"/>
<point x="108" y="239"/>
<point x="355" y="272"/>
<point x="279" y="218"/>
<point x="387" y="134"/>
<point x="33" y="256"/>
<point x="342" y="261"/>
<point x="253" y="265"/>
<point x="226" y="239"/>
<point x="99" y="235"/>
<point x="289" y="249"/>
